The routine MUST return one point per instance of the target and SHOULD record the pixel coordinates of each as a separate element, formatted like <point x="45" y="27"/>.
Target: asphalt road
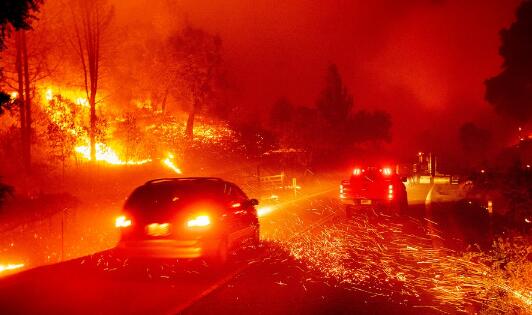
<point x="105" y="283"/>
<point x="312" y="261"/>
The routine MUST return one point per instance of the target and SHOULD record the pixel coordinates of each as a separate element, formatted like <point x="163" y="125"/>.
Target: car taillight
<point x="199" y="221"/>
<point x="390" y="192"/>
<point x="122" y="222"/>
<point x="357" y="171"/>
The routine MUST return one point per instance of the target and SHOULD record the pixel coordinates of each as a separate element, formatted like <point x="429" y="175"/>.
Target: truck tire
<point x="403" y="207"/>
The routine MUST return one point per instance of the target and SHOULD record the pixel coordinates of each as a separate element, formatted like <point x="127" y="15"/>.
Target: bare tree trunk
<point x="163" y="105"/>
<point x="20" y="98"/>
<point x="90" y="19"/>
<point x="27" y="157"/>
<point x="92" y="129"/>
<point x="189" y="131"/>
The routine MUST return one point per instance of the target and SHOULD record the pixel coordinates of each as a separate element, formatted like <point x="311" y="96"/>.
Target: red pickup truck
<point x="373" y="187"/>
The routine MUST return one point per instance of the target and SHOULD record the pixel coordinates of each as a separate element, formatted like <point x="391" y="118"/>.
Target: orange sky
<point x="421" y="60"/>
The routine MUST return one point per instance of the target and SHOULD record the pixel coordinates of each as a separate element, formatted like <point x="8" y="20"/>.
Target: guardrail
<point x="274" y="180"/>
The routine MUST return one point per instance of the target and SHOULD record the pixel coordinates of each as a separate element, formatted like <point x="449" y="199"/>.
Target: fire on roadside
<point x="60" y="106"/>
<point x="168" y="161"/>
<point x="10" y="267"/>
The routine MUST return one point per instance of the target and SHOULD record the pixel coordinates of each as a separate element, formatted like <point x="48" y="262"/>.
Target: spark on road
<point x="380" y="255"/>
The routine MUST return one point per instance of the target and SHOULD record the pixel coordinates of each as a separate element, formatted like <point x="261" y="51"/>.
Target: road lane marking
<point x="428" y="199"/>
<point x="183" y="306"/>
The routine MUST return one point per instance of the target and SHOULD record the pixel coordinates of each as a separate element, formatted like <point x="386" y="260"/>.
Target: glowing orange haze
<point x="422" y="59"/>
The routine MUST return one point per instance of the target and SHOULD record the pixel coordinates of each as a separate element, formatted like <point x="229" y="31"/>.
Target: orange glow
<point x="490" y="206"/>
<point x="122" y="222"/>
<point x="199" y="221"/>
<point x="264" y="211"/>
<point x="49" y="95"/>
<point x="9" y="267"/>
<point x="236" y="205"/>
<point x="390" y="192"/>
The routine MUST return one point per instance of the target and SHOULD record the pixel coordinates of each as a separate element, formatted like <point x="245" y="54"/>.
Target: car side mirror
<point x="404" y="179"/>
<point x="253" y="202"/>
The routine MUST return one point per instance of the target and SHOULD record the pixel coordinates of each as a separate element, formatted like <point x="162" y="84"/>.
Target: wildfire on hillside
<point x="68" y="110"/>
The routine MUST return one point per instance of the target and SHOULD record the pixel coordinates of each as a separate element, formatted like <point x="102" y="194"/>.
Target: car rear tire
<point x="220" y="257"/>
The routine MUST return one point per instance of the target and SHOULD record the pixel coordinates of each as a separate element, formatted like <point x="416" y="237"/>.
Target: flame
<point x="170" y="164"/>
<point x="82" y="101"/>
<point x="60" y="106"/>
<point x="9" y="267"/>
<point x="49" y="95"/>
<point x="57" y="114"/>
<point x="106" y="154"/>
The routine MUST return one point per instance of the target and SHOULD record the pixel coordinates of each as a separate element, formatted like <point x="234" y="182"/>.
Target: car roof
<point x="184" y="180"/>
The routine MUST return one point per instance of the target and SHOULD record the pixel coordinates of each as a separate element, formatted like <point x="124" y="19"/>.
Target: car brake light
<point x="390" y="192"/>
<point x="122" y="222"/>
<point x="357" y="171"/>
<point x="199" y="221"/>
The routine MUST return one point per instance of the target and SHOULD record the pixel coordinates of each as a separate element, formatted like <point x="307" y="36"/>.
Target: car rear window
<point x="162" y="196"/>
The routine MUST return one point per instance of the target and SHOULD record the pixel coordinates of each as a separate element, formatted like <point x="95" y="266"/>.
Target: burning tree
<point x="131" y="134"/>
<point x="90" y="21"/>
<point x="62" y="130"/>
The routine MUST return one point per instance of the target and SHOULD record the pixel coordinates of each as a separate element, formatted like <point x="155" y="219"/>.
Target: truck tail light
<point x="122" y="221"/>
<point x="390" y="192"/>
<point x="199" y="221"/>
<point x="386" y="171"/>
